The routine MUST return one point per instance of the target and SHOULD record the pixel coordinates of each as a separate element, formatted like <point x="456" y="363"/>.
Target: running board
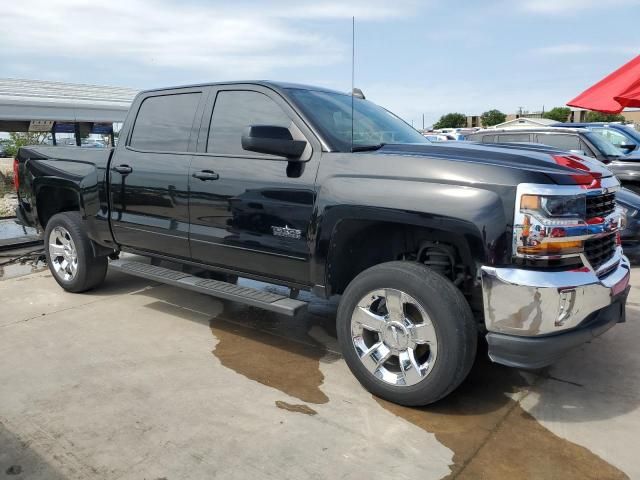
<point x="228" y="291"/>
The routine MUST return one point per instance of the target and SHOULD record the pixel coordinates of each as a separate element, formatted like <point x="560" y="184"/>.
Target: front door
<point x="149" y="175"/>
<point x="251" y="212"/>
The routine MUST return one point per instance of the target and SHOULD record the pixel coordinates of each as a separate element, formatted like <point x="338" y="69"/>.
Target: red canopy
<point x="613" y="93"/>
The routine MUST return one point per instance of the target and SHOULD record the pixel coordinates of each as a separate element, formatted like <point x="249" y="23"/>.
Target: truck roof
<point x="265" y="83"/>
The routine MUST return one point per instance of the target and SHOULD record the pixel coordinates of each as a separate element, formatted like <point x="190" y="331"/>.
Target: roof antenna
<point x="353" y="68"/>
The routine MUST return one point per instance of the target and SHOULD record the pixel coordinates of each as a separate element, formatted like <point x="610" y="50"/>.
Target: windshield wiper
<point x="367" y="148"/>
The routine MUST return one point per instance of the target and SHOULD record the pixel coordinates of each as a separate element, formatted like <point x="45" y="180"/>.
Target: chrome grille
<point x="599" y="250"/>
<point x="600" y="205"/>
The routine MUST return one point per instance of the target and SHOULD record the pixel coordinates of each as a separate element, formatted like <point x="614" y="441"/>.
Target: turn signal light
<point x="553" y="248"/>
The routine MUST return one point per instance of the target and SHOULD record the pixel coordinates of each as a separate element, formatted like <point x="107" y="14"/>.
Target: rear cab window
<point x="165" y="122"/>
<point x="561" y="141"/>
<point x="514" y="137"/>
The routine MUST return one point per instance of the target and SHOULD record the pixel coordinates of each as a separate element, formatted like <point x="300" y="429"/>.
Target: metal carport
<point x="38" y="105"/>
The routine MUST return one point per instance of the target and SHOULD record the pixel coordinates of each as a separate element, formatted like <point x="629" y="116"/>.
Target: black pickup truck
<point x="429" y="245"/>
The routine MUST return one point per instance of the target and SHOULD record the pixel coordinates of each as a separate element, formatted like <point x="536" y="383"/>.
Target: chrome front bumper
<point x="531" y="303"/>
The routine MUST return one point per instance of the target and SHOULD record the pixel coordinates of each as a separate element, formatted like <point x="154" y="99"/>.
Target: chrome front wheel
<point x="394" y="337"/>
<point x="63" y="254"/>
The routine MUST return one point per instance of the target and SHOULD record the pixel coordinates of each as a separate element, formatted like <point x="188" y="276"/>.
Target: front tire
<point x="70" y="255"/>
<point x="406" y="332"/>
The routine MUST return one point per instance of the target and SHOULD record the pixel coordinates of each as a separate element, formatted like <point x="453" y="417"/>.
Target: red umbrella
<point x="613" y="93"/>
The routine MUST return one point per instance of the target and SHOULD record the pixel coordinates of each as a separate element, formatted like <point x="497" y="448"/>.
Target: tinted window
<point x="164" y="123"/>
<point x="514" y="137"/>
<point x="236" y="110"/>
<point x="563" y="142"/>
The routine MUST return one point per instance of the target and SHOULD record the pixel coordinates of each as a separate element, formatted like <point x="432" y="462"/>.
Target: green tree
<point x="559" y="114"/>
<point x="451" y="120"/>
<point x="603" y="117"/>
<point x="22" y="139"/>
<point x="492" y="117"/>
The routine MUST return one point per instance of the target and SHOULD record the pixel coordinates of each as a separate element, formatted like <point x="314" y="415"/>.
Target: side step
<point x="228" y="291"/>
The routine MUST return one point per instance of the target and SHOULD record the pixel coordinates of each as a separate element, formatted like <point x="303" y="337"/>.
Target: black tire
<point x="91" y="270"/>
<point x="450" y="314"/>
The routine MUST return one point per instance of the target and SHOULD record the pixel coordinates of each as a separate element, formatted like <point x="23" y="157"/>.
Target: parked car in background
<point x="92" y="143"/>
<point x="630" y="203"/>
<point x="437" y="137"/>
<point x="622" y="136"/>
<point x="579" y="141"/>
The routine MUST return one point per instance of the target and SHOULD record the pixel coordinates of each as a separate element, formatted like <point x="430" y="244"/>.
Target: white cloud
<point x="567" y="7"/>
<point x="222" y="38"/>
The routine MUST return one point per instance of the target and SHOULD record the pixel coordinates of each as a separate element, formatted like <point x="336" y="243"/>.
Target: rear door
<point x="149" y="176"/>
<point x="254" y="214"/>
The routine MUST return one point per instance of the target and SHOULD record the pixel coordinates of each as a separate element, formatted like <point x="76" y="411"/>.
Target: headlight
<point x="546" y="224"/>
<point x="554" y="225"/>
<point x="555" y="207"/>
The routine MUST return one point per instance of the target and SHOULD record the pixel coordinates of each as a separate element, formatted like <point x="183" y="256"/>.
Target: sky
<point x="413" y="57"/>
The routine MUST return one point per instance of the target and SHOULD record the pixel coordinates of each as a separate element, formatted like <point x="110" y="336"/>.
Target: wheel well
<point x="359" y="244"/>
<point x="52" y="200"/>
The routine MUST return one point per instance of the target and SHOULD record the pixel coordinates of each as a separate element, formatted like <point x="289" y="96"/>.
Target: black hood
<point x="523" y="157"/>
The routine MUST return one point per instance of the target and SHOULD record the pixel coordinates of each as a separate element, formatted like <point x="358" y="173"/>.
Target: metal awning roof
<point x="43" y="100"/>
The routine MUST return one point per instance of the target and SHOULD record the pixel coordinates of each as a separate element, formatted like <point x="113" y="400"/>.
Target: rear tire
<point x="70" y="255"/>
<point x="417" y="349"/>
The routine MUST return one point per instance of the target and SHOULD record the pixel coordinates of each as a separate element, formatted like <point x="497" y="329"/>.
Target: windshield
<point x="372" y="125"/>
<point x="605" y="147"/>
<point x="631" y="132"/>
<point x="616" y="136"/>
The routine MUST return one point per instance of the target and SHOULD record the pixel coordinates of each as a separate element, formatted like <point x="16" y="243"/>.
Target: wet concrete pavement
<point x="139" y="380"/>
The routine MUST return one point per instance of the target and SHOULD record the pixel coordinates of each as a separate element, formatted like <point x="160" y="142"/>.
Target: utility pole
<point x="423" y="121"/>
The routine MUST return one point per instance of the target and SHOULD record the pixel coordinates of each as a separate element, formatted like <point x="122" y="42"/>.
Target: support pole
<point x="76" y="128"/>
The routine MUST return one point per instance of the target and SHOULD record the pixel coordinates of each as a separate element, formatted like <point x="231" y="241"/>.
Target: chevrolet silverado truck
<point x="430" y="247"/>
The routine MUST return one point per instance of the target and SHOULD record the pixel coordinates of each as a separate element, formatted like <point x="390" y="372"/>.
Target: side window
<point x="586" y="149"/>
<point x="488" y="139"/>
<point x="164" y="122"/>
<point x="514" y="137"/>
<point x="235" y="110"/>
<point x="563" y="142"/>
<point x="612" y="136"/>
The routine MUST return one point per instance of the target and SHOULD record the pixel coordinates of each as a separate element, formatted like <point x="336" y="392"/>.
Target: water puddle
<point x="493" y="437"/>
<point x="307" y="410"/>
<point x="291" y="366"/>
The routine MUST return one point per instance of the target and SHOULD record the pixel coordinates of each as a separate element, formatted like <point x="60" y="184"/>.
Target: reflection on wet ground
<point x="492" y="437"/>
<point x="293" y="367"/>
<point x="20" y="262"/>
<point x="14" y="234"/>
<point x="490" y="434"/>
<point x="307" y="410"/>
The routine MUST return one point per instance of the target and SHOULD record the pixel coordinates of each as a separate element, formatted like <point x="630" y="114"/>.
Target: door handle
<point x="123" y="169"/>
<point x="206" y="175"/>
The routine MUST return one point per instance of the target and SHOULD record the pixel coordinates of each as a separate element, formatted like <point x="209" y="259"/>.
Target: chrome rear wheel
<point x="63" y="254"/>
